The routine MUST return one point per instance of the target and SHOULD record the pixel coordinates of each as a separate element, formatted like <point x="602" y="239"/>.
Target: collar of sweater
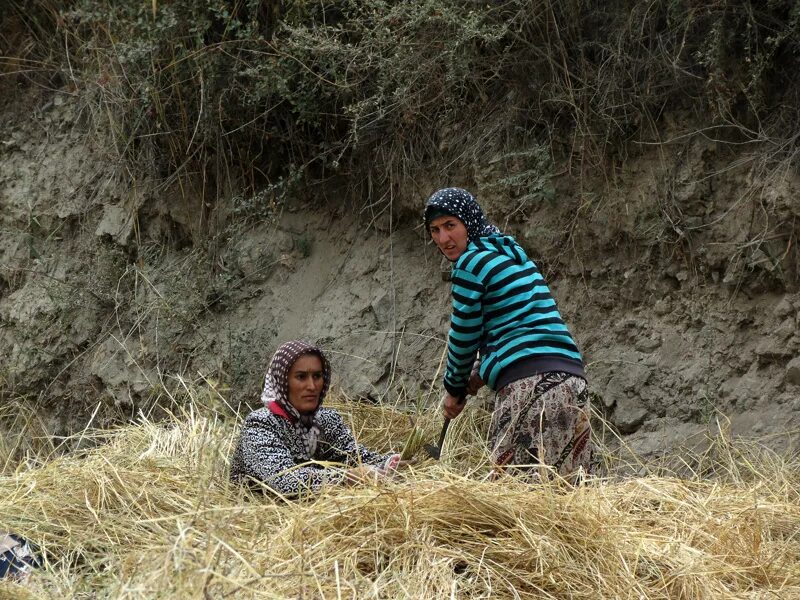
<point x="276" y="409"/>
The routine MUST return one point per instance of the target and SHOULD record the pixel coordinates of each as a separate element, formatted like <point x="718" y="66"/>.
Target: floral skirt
<point x="540" y="426"/>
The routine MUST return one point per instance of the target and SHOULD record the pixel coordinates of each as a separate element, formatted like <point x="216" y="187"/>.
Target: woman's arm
<point x="262" y="455"/>
<point x="466" y="331"/>
<point x="339" y="444"/>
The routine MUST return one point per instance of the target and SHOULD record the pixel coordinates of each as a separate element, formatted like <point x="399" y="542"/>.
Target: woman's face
<point x="450" y="234"/>
<point x="305" y="383"/>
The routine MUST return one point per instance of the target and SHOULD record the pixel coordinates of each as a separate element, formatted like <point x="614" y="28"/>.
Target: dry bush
<point x="28" y="50"/>
<point x="25" y="438"/>
<point x="374" y="93"/>
<point x="149" y="513"/>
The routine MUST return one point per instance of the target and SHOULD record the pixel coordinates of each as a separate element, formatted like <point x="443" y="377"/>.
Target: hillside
<point x="184" y="185"/>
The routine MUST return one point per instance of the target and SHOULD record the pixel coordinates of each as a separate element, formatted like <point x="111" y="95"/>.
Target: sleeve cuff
<point x="458" y="392"/>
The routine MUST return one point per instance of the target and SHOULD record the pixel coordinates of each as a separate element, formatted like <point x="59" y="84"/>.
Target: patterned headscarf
<point x="276" y="389"/>
<point x="461" y="204"/>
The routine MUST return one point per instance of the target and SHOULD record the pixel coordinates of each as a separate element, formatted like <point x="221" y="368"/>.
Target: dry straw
<point x="148" y="513"/>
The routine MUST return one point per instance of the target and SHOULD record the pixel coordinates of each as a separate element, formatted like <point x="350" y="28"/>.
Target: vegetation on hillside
<point x="374" y="93"/>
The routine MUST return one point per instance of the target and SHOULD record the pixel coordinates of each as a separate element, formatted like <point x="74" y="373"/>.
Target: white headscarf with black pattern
<point x="276" y="389"/>
<point x="459" y="203"/>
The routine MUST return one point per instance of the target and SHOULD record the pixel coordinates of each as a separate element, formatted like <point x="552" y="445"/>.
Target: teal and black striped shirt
<point x="503" y="308"/>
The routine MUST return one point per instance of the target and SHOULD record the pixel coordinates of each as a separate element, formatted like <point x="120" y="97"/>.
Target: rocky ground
<point x="676" y="270"/>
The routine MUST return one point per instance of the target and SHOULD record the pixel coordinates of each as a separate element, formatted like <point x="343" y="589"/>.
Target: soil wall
<point x="675" y="268"/>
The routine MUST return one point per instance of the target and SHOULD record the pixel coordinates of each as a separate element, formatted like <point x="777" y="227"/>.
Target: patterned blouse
<point x="270" y="451"/>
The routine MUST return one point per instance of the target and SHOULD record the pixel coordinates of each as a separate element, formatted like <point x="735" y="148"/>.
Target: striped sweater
<point x="503" y="307"/>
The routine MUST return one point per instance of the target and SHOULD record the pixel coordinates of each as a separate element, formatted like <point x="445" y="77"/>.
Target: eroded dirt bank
<point x="685" y="307"/>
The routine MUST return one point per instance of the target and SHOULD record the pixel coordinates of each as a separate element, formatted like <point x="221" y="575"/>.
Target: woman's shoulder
<point x="483" y="245"/>
<point x="492" y="248"/>
<point x="262" y="416"/>
<point x="472" y="259"/>
<point x="258" y="414"/>
<point x="328" y="416"/>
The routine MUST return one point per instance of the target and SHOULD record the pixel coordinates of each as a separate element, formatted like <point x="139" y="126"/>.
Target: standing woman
<point x="503" y="310"/>
<point x="282" y="444"/>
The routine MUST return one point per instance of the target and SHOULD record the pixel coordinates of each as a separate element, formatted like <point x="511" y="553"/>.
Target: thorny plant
<point x="249" y="91"/>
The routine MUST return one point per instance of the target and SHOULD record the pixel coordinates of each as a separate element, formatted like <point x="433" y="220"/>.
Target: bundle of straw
<point x="150" y="513"/>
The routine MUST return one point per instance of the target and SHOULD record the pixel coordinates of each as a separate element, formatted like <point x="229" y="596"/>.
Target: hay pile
<point x="148" y="513"/>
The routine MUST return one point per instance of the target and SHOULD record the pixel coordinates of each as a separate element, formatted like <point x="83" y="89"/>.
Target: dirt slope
<point x="676" y="270"/>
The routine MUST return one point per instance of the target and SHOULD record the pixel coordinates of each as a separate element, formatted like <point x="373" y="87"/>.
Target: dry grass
<point x="148" y="513"/>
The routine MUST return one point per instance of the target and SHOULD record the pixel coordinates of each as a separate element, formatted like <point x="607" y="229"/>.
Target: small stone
<point x="770" y="348"/>
<point x="793" y="371"/>
<point x="608" y="400"/>
<point x="383" y="309"/>
<point x="786" y="329"/>
<point x="732" y="274"/>
<point x="630" y="415"/>
<point x="630" y="377"/>
<point x="740" y="391"/>
<point x="783" y="309"/>
<point x="661" y="307"/>
<point x="283" y="241"/>
<point x="648" y="344"/>
<point x="117" y="222"/>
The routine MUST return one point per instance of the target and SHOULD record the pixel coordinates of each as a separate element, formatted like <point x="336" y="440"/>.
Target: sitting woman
<point x="280" y="443"/>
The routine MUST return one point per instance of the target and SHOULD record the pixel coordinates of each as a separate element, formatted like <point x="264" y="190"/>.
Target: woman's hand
<point x="362" y="474"/>
<point x="474" y="384"/>
<point x="395" y="462"/>
<point x="452" y="406"/>
<point x="369" y="474"/>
